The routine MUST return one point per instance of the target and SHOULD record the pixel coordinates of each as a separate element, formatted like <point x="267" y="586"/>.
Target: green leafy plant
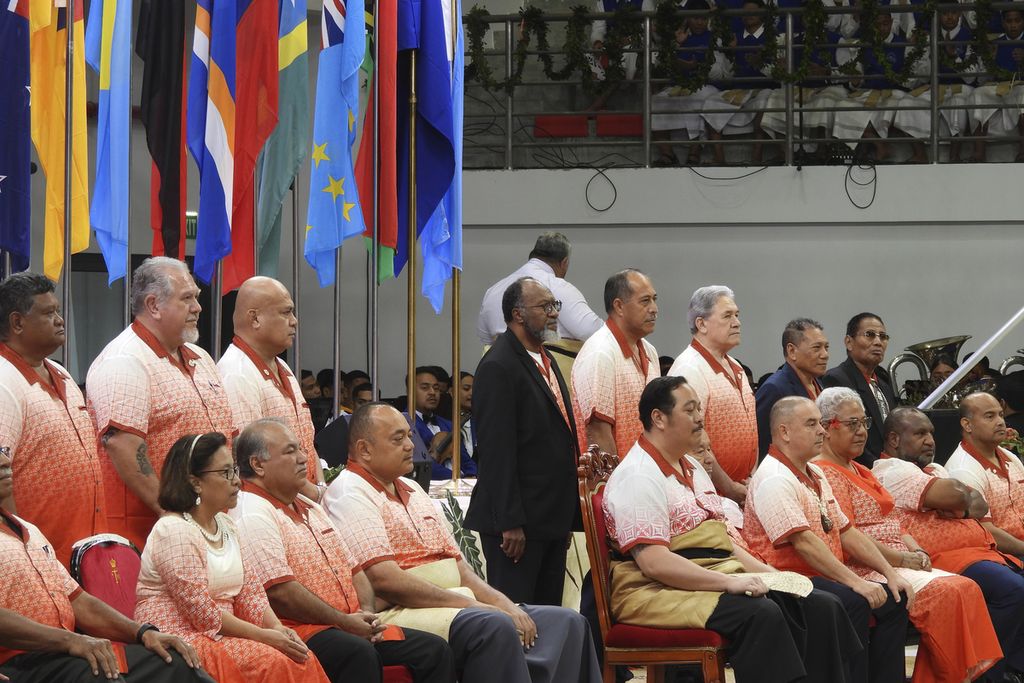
<point x="331" y="473"/>
<point x="463" y="536"/>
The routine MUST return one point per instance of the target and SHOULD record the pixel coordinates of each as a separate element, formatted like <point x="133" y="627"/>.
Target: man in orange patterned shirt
<point x="311" y="578"/>
<point x="147" y="388"/>
<point x="43" y="421"/>
<point x="258" y="383"/>
<point x="41" y="607"/>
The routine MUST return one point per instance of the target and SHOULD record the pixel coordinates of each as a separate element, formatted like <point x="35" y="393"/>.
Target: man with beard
<point x="524" y="504"/>
<point x="150" y="385"/>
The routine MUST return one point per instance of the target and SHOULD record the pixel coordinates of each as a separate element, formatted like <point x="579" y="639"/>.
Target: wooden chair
<point x="626" y="644"/>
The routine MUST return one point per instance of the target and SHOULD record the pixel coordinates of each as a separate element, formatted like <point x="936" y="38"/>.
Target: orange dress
<point x="958" y="641"/>
<point x="185" y="586"/>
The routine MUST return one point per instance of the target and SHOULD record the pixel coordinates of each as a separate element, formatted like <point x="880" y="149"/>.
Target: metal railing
<point x="516" y="135"/>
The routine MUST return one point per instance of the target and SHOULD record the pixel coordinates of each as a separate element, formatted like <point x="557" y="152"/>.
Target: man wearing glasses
<point x="524" y="503"/>
<point x="866" y="342"/>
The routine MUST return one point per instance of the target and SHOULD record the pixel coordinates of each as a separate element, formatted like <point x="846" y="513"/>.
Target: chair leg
<point x="712" y="667"/>
<point x="608" y="673"/>
<point x="655" y="673"/>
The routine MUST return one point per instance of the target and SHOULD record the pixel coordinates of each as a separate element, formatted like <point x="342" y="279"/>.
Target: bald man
<point x="258" y="383"/>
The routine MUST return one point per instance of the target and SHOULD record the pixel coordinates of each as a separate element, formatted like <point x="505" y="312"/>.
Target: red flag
<point x="256" y="85"/>
<point x="387" y="33"/>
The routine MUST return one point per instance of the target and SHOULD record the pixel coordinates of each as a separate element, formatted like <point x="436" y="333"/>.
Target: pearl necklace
<point x="215" y="537"/>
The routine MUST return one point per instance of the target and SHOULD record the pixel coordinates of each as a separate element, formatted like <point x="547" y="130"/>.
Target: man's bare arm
<point x="1005" y="541"/>
<point x="128" y="453"/>
<point x="601" y="433"/>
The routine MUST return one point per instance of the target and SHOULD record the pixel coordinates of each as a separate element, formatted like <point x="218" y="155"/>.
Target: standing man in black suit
<point x="524" y="504"/>
<point x="866" y="341"/>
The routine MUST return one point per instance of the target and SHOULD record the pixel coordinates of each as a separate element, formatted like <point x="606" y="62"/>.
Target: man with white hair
<point x="150" y="385"/>
<point x="730" y="416"/>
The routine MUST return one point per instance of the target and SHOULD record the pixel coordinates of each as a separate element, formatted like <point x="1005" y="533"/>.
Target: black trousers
<point x="346" y="657"/>
<point x="143" y="667"/>
<point x="538" y="577"/>
<point x="761" y="644"/>
<point x="883" y="659"/>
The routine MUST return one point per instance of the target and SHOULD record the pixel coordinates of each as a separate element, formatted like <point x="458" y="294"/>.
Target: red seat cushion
<point x="627" y="635"/>
<point x="397" y="674"/>
<point x="560" y="126"/>
<point x="109" y="572"/>
<point x="619" y="126"/>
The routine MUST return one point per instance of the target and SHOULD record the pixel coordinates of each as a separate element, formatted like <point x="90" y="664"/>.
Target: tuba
<point x="1011" y="361"/>
<point x="922" y="355"/>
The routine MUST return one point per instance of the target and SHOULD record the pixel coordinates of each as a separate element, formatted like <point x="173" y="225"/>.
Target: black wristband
<point x="142" y="631"/>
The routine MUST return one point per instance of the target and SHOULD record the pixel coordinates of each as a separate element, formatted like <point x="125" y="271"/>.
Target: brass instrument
<point x="921" y="356"/>
<point x="1011" y="361"/>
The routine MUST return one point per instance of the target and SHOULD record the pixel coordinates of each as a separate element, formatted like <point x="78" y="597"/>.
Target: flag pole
<point x="410" y="270"/>
<point x="216" y="310"/>
<point x="7" y="264"/>
<point x="336" y="365"/>
<point x="456" y="326"/>
<point x="296" y="248"/>
<point x="69" y="92"/>
<point x="126" y="313"/>
<point x="374" y="244"/>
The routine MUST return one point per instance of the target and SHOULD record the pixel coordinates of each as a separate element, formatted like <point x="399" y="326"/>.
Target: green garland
<point x="625" y="33"/>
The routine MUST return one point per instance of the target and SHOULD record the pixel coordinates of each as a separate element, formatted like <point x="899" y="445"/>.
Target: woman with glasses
<point x="193" y="584"/>
<point x="958" y="642"/>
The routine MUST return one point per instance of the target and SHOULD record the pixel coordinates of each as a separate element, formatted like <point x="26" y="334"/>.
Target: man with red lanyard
<point x="793" y="521"/>
<point x="866" y="342"/>
<point x="722" y="387"/>
<point x="524" y="502"/>
<point x="997" y="473"/>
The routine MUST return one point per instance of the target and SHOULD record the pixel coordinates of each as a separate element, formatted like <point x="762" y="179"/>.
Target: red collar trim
<point x="12" y="521"/>
<point x="265" y="370"/>
<point x="297" y="510"/>
<point x="56" y="386"/>
<point x="188" y="356"/>
<point x="1002" y="469"/>
<point x="686" y="477"/>
<point x="815" y="385"/>
<point x="862" y="478"/>
<point x="811" y="480"/>
<point x="401" y="487"/>
<point x="639" y="357"/>
<point x="735" y="378"/>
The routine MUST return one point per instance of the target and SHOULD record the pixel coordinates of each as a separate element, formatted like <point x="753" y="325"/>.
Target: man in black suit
<point x="805" y="348"/>
<point x="524" y="504"/>
<point x="866" y="341"/>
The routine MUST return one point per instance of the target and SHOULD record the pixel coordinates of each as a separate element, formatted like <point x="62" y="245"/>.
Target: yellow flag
<point x="49" y="61"/>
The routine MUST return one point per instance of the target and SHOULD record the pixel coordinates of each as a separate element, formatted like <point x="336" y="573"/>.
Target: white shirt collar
<point x="537" y="263"/>
<point x="756" y="34"/>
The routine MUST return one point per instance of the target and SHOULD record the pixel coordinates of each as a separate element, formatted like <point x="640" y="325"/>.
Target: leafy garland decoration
<point x="625" y="33"/>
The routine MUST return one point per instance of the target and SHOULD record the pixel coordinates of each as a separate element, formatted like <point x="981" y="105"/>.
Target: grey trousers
<point x="487" y="648"/>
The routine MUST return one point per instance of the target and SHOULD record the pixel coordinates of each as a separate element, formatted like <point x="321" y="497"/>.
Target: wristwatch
<point x="142" y="631"/>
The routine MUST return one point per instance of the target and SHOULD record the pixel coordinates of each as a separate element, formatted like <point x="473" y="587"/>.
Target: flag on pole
<point x="108" y="51"/>
<point x="421" y="28"/>
<point x="161" y="45"/>
<point x="286" y="147"/>
<point x="255" y="118"/>
<point x="387" y="35"/>
<point x="334" y="213"/>
<point x="49" y="66"/>
<point x="15" y="134"/>
<point x="441" y="243"/>
<point x="211" y="129"/>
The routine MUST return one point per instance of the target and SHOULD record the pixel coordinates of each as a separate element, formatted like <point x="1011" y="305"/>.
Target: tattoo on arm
<point x="142" y="458"/>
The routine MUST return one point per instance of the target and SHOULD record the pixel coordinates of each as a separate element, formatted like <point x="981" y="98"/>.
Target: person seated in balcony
<point x="752" y="65"/>
<point x="954" y="88"/>
<point x="869" y="109"/>
<point x="679" y="109"/>
<point x="632" y="54"/>
<point x="1002" y="90"/>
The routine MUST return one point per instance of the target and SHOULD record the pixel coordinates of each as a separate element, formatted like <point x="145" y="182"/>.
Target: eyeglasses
<point x="872" y="335"/>
<point x="853" y="425"/>
<point x="548" y="307"/>
<point x="228" y="473"/>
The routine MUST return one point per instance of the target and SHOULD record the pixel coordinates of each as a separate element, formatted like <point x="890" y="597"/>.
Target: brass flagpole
<point x="456" y="384"/>
<point x="69" y="99"/>
<point x="410" y="269"/>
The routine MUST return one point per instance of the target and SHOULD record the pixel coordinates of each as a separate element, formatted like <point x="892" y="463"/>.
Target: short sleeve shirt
<point x="33" y="582"/>
<point x="135" y="386"/>
<point x="57" y="478"/>
<point x="1002" y="486"/>
<point x="378" y="525"/>
<point x="607" y="380"/>
<point x="296" y="542"/>
<point x="730" y="415"/>
<point x="647" y="501"/>
<point x="779" y="504"/>
<point x="254" y="392"/>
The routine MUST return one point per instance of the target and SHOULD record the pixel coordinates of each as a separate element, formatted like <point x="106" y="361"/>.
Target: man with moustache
<point x="866" y="341"/>
<point x="150" y="385"/>
<point x="722" y="386"/>
<point x="314" y="584"/>
<point x="258" y="383"/>
<point x="43" y="421"/>
<point x="981" y="463"/>
<point x="523" y="503"/>
<point x="805" y="348"/>
<point x="615" y="364"/>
